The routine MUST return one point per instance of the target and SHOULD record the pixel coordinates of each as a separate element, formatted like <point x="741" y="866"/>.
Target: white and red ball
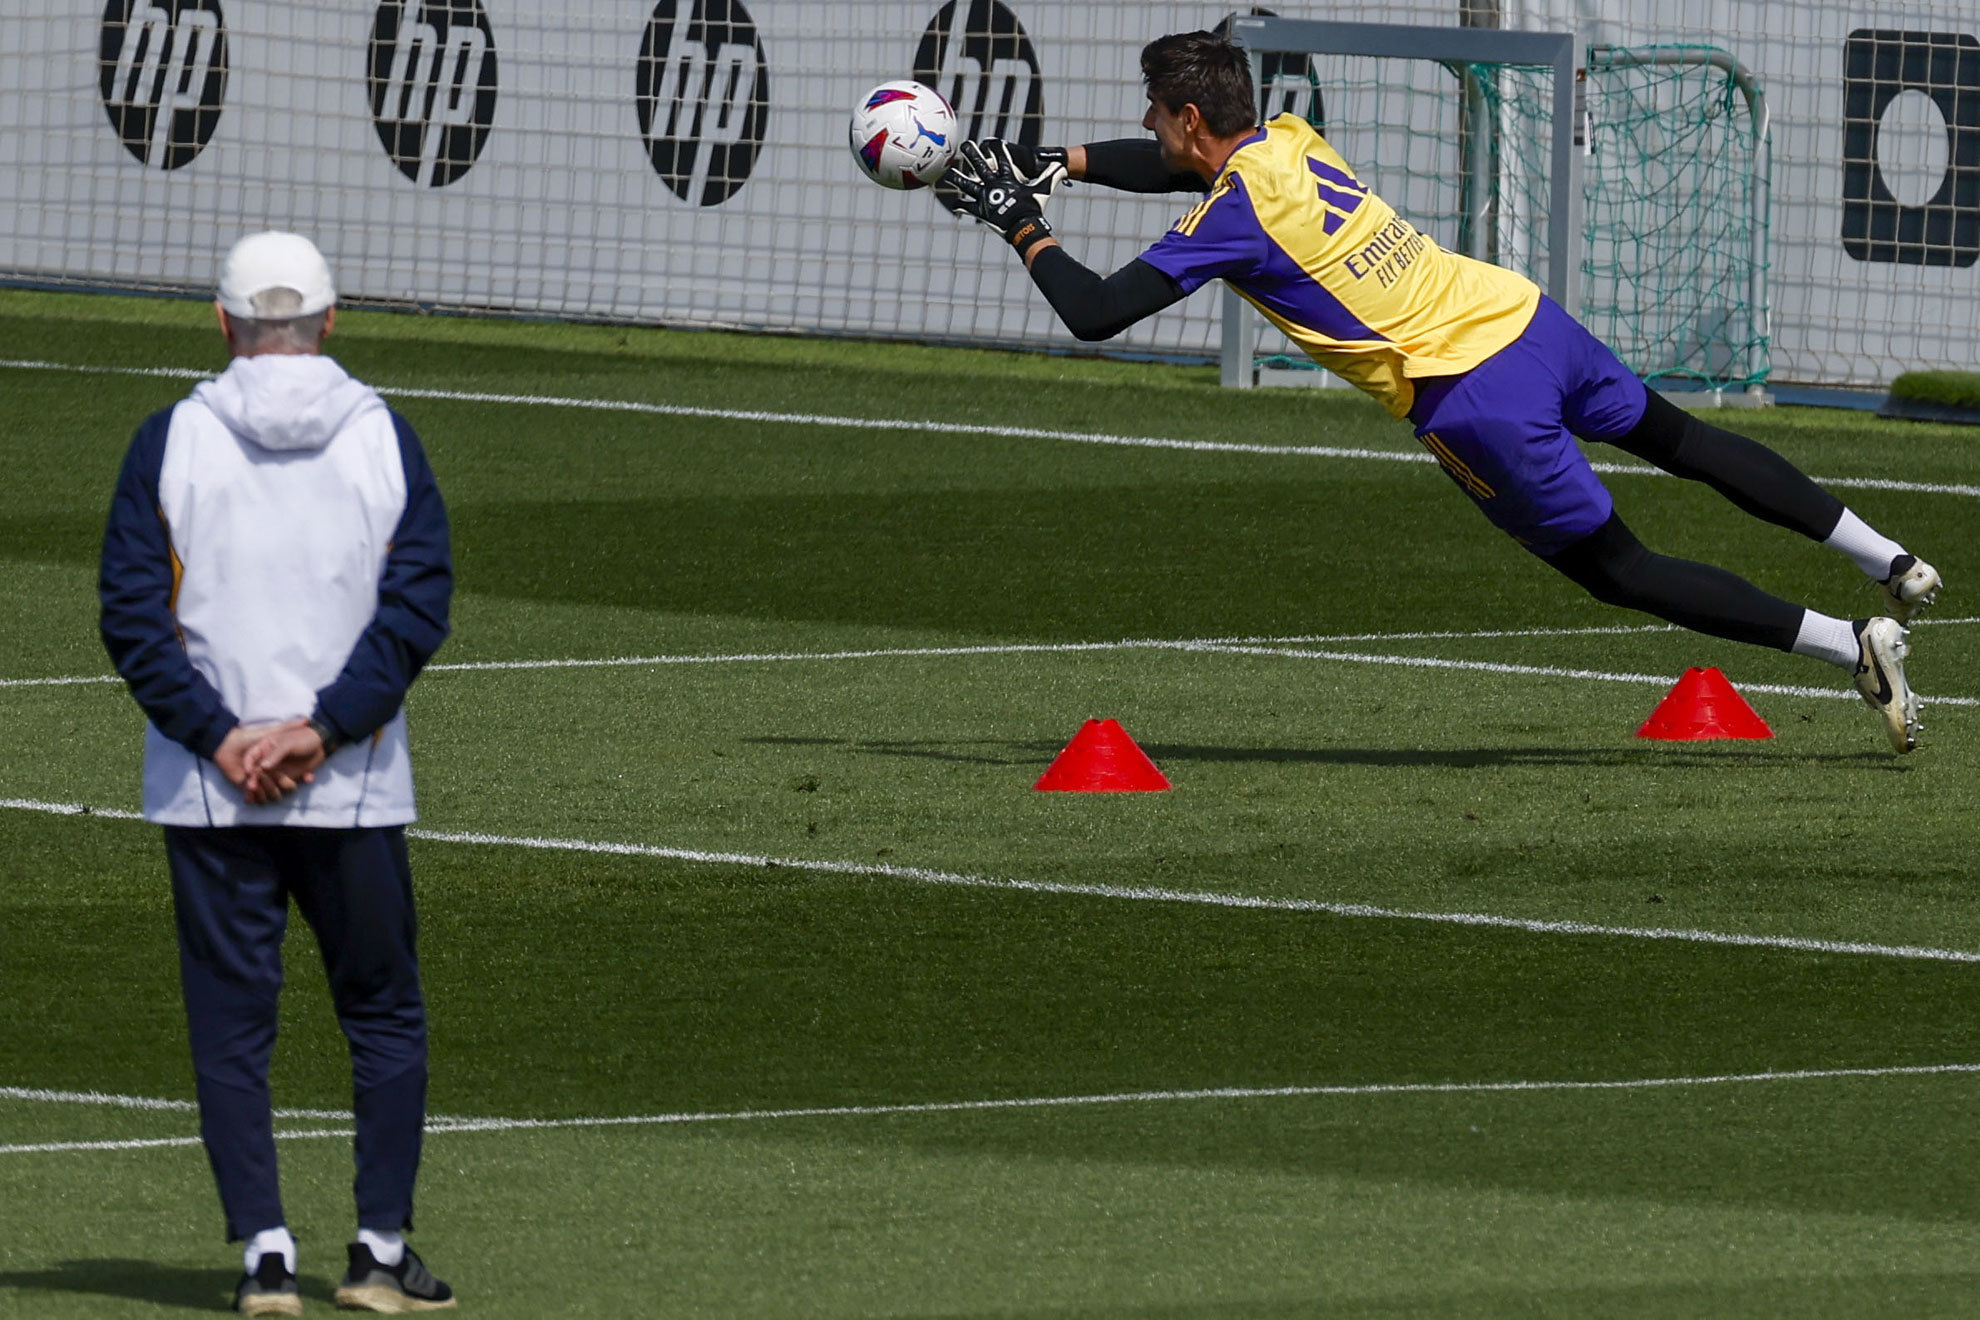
<point x="903" y="134"/>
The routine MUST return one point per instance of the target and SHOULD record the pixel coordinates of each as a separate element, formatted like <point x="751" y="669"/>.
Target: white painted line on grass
<point x="95" y="1098"/>
<point x="437" y="1125"/>
<point x="952" y="428"/>
<point x="67" y="809"/>
<point x="140" y="1102"/>
<point x="1134" y="893"/>
<point x="791" y="419"/>
<point x="1204" y="1093"/>
<point x="1234" y="645"/>
<point x="151" y="1143"/>
<point x="1549" y="671"/>
<point x="88" y="369"/>
<point x="58" y="682"/>
<point x="135" y="1143"/>
<point x="1012" y="648"/>
<point x="1145" y="893"/>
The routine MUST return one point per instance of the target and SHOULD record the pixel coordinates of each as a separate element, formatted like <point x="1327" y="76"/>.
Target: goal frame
<point x="1563" y="52"/>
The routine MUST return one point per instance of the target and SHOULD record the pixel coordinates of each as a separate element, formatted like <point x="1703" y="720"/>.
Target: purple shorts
<point x="1504" y="431"/>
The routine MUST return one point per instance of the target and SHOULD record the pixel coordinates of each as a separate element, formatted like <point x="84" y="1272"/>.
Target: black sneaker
<point x="407" y="1286"/>
<point x="270" y="1290"/>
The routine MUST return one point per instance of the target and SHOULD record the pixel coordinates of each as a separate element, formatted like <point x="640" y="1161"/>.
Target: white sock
<point x="388" y="1249"/>
<point x="1828" y="639"/>
<point x="267" y="1240"/>
<point x="1870" y="548"/>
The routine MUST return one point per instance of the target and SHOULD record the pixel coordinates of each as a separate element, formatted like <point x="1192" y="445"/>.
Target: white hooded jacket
<point x="280" y="487"/>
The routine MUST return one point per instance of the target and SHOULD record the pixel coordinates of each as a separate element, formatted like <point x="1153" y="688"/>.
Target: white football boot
<point x="1911" y="588"/>
<point x="1880" y="678"/>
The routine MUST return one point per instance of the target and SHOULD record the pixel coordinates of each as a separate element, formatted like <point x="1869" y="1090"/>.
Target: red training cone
<point x="1101" y="758"/>
<point x="1704" y="704"/>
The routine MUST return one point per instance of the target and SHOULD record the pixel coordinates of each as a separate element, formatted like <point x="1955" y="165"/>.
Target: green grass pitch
<point x="841" y="1050"/>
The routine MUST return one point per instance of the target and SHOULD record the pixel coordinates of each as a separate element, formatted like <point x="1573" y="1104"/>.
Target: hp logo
<point x="976" y="53"/>
<point x="164" y="73"/>
<point x="1938" y="224"/>
<point x="432" y="80"/>
<point x="703" y="97"/>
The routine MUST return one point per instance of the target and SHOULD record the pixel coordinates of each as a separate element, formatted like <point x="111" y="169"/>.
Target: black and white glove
<point x="1043" y="169"/>
<point x="993" y="191"/>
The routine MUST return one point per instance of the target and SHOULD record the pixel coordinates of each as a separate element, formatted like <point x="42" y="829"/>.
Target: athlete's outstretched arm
<point x="1130" y="165"/>
<point x="1125" y="164"/>
<point x="1094" y="308"/>
<point x="996" y="191"/>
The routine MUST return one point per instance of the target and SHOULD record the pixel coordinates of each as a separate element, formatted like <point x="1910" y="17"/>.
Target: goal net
<point x="1678" y="176"/>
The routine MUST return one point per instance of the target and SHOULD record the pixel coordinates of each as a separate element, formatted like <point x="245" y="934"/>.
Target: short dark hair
<point x="1204" y="70"/>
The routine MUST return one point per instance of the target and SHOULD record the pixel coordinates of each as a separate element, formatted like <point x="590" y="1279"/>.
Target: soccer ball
<point x="903" y="134"/>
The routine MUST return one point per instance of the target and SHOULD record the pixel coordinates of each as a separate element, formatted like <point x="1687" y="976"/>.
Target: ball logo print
<point x="903" y="134"/>
<point x="977" y="53"/>
<point x="703" y="95"/>
<point x="163" y="70"/>
<point x="431" y="74"/>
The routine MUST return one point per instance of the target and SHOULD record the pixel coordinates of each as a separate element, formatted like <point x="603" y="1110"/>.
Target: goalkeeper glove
<point x="994" y="192"/>
<point x="1043" y="169"/>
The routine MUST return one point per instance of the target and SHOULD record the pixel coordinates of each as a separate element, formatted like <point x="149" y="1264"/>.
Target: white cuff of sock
<point x="386" y="1248"/>
<point x="1828" y="639"/>
<point x="267" y="1240"/>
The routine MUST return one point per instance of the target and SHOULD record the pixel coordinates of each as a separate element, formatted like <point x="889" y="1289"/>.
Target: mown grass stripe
<point x="1132" y="893"/>
<point x="938" y="427"/>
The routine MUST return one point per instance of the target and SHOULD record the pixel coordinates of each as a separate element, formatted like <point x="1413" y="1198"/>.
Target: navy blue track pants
<point x="230" y="891"/>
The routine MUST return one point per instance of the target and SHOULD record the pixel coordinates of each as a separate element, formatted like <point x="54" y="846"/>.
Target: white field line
<point x="58" y="682"/>
<point x="67" y="809"/>
<point x="141" y="1102"/>
<point x="448" y="1125"/>
<point x="1132" y="893"/>
<point x="1549" y="671"/>
<point x="950" y="428"/>
<point x="1230" y="645"/>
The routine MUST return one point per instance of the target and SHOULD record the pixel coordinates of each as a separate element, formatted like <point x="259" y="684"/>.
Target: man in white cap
<point x="276" y="571"/>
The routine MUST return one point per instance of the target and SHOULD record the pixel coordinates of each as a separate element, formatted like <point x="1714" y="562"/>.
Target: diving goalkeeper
<point x="1496" y="378"/>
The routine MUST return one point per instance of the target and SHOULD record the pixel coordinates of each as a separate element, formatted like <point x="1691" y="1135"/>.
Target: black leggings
<point x="1745" y="471"/>
<point x="1617" y="569"/>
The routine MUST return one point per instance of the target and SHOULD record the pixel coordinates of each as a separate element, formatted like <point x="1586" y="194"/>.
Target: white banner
<point x="684" y="162"/>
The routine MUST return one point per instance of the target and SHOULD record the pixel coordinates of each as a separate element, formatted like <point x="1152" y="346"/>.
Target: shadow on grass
<point x="997" y="751"/>
<point x="141" y="1281"/>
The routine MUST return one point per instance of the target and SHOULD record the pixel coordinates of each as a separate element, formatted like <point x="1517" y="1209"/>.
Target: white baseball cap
<point x="275" y="260"/>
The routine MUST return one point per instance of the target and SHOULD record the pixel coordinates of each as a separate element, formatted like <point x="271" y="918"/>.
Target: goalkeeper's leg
<point x="1769" y="487"/>
<point x="1616" y="568"/>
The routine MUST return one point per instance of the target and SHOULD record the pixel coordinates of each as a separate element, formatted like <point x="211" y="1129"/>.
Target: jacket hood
<point x="286" y="401"/>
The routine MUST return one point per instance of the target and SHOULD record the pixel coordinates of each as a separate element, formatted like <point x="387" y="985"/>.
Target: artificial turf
<point x="568" y="985"/>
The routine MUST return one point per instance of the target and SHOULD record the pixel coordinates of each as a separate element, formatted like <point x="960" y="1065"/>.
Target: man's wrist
<point x="214" y="736"/>
<point x="322" y="729"/>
